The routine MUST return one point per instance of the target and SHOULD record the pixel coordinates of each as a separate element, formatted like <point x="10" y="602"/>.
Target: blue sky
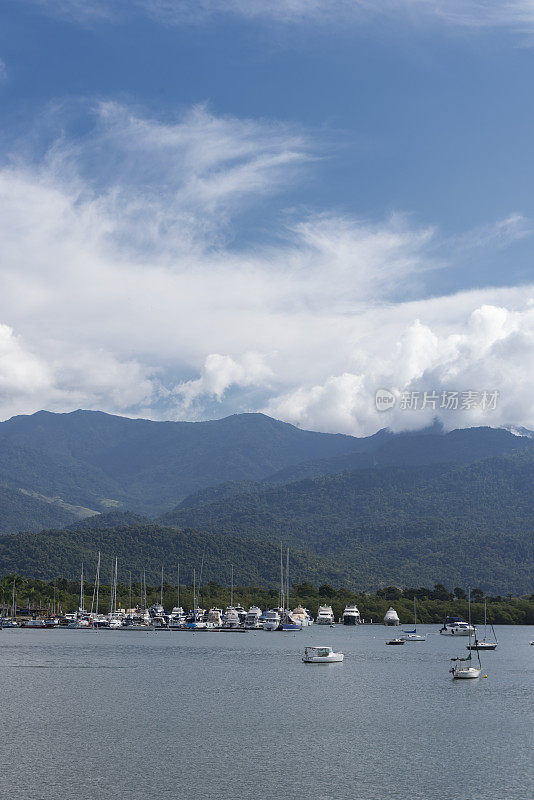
<point x="213" y="207"/>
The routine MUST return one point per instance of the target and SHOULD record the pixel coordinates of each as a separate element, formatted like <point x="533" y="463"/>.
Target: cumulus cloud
<point x="474" y="373"/>
<point x="219" y="374"/>
<point x="123" y="289"/>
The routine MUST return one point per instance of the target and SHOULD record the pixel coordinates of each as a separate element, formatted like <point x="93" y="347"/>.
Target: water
<point x="136" y="715"/>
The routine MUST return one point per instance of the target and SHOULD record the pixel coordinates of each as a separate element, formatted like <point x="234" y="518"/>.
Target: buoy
<point x="484" y="676"/>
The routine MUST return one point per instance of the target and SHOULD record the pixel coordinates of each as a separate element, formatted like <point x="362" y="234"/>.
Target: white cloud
<point x="122" y="289"/>
<point x="219" y="374"/>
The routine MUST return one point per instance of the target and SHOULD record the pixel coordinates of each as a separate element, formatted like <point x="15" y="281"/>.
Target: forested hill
<point x="475" y="521"/>
<point x="140" y="544"/>
<point x="101" y="461"/>
<point x="90" y="461"/>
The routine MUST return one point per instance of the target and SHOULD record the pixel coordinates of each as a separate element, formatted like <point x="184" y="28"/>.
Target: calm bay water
<point x="92" y="715"/>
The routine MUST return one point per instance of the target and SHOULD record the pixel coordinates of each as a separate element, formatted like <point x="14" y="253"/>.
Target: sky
<point x="216" y="206"/>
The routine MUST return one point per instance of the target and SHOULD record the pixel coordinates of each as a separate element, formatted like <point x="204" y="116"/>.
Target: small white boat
<point x="321" y="655"/>
<point x="395" y="641"/>
<point x="484" y="644"/>
<point x="462" y="669"/>
<point x="465" y="672"/>
<point x="413" y="636"/>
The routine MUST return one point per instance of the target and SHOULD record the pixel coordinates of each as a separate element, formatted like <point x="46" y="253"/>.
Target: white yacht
<point x="252" y="620"/>
<point x="301" y="615"/>
<point x="215" y="617"/>
<point x="456" y="626"/>
<point x="325" y="616"/>
<point x="391" y="618"/>
<point x="321" y="655"/>
<point x="271" y="621"/>
<point x="351" y="615"/>
<point x="230" y="618"/>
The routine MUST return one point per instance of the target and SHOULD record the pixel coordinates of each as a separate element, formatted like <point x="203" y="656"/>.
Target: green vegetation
<point x="464" y="524"/>
<point x="19" y="512"/>
<point x="432" y="605"/>
<point x="463" y="521"/>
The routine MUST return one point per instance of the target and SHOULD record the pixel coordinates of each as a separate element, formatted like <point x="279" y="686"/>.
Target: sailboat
<point x="462" y="668"/>
<point x="483" y="644"/>
<point x="413" y="636"/>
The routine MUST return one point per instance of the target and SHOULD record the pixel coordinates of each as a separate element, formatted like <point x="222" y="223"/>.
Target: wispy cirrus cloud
<point x="123" y="289"/>
<point x="514" y="15"/>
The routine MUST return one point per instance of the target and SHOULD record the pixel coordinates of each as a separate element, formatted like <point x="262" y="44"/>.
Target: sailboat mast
<point x="97" y="582"/>
<point x="287" y="580"/>
<point x="130" y="586"/>
<point x="194" y="594"/>
<point x="161" y="592"/>
<point x="178" y="585"/>
<point x="281" y="577"/>
<point x="232" y="588"/>
<point x="82" y="599"/>
<point x="14" y="605"/>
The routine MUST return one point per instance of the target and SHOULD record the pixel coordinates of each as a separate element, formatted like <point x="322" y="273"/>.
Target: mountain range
<point x="390" y="508"/>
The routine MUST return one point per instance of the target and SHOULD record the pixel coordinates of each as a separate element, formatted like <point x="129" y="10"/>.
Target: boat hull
<point x="466" y="673"/>
<point x="335" y="658"/>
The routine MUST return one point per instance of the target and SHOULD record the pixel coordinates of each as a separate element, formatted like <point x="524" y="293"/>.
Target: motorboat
<point x="351" y="615"/>
<point x="177" y="618"/>
<point x="391" y="617"/>
<point x="214" y="618"/>
<point x="302" y="615"/>
<point x="395" y="641"/>
<point x="289" y="623"/>
<point x="35" y="624"/>
<point x="325" y="616"/>
<point x="252" y="619"/>
<point x="456" y="626"/>
<point x="271" y="621"/>
<point x="230" y="618"/>
<point x="321" y="655"/>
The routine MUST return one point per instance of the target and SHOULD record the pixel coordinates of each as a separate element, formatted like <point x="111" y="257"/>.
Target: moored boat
<point x="351" y="615"/>
<point x="391" y="617"/>
<point x="271" y="620"/>
<point x="321" y="655"/>
<point x="325" y="616"/>
<point x="456" y="626"/>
